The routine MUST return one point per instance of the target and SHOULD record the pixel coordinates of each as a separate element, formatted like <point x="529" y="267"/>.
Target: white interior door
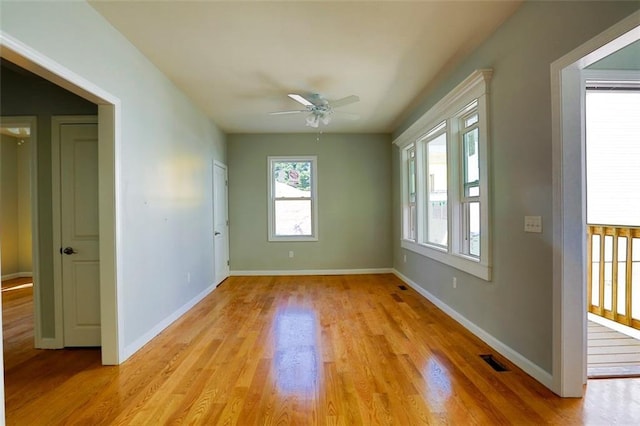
<point x="79" y="234"/>
<point x="220" y="223"/>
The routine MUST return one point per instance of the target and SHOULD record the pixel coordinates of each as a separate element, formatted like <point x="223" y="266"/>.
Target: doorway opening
<point x="19" y="241"/>
<point x="612" y="149"/>
<point x="569" y="195"/>
<point x="15" y="197"/>
<point x="112" y="346"/>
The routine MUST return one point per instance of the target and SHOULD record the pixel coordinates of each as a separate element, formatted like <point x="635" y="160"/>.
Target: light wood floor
<point x="345" y="350"/>
<point x="610" y="353"/>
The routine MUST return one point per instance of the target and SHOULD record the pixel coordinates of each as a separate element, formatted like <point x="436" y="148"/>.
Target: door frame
<point x="109" y="141"/>
<point x="223" y="166"/>
<point x="569" y="215"/>
<point x="56" y="194"/>
<point x="32" y="122"/>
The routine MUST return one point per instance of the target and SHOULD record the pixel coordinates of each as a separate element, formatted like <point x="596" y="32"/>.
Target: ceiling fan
<point x="319" y="109"/>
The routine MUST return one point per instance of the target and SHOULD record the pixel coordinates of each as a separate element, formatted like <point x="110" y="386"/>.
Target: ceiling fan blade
<point x="297" y="111"/>
<point x="345" y="101"/>
<point x="300" y="99"/>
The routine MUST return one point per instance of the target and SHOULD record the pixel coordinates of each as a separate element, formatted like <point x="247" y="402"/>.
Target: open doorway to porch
<point x="569" y="213"/>
<point x="612" y="150"/>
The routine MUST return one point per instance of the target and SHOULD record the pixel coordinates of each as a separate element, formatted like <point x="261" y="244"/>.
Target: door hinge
<point x="227" y="263"/>
<point x="227" y="223"/>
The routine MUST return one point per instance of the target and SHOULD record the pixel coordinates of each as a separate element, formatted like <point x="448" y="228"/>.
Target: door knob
<point x="216" y="233"/>
<point x="68" y="250"/>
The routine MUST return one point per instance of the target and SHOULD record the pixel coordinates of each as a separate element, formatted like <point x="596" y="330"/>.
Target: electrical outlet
<point x="188" y="277"/>
<point x="291" y="254"/>
<point x="455" y="282"/>
<point x="404" y="257"/>
<point x="533" y="224"/>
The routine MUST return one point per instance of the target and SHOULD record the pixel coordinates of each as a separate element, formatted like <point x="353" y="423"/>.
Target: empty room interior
<point x="320" y="212"/>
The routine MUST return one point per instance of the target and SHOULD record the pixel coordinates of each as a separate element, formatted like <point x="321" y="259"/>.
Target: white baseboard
<point x="522" y="362"/>
<point x="48" y="343"/>
<point x="148" y="336"/>
<point x="314" y="272"/>
<point x="17" y="275"/>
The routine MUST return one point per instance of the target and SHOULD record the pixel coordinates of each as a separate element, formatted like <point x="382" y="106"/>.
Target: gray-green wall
<point x="354" y="202"/>
<point x="15" y="206"/>
<point x="516" y="306"/>
<point x="9" y="236"/>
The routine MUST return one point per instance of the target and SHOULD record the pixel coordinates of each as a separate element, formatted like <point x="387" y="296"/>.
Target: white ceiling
<point x="238" y="60"/>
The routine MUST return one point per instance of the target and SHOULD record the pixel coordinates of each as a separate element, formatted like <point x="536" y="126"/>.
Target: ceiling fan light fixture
<point x="313" y="120"/>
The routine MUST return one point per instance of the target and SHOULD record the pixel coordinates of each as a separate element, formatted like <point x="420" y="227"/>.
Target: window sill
<point x="291" y="239"/>
<point x="463" y="263"/>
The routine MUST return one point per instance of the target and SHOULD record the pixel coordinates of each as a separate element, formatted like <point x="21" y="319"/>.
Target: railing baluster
<point x="590" y="234"/>
<point x="617" y="235"/>
<point x="601" y="273"/>
<point x="614" y="275"/>
<point x="628" y="282"/>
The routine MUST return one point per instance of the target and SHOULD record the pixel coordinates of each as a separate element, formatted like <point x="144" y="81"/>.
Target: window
<point x="470" y="200"/>
<point x="445" y="179"/>
<point x="436" y="188"/>
<point x="411" y="170"/>
<point x="293" y="204"/>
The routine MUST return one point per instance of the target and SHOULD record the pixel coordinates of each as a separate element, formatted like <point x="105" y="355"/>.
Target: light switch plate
<point x="533" y="224"/>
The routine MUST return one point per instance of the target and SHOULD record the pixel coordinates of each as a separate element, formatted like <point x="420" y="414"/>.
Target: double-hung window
<point x="293" y="205"/>
<point x="445" y="181"/>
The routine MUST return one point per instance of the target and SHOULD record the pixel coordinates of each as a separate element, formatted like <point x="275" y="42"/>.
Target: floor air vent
<point x="402" y="287"/>
<point x="489" y="359"/>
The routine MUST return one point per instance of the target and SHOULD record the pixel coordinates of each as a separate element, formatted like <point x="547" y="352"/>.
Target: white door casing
<point x="113" y="351"/>
<point x="79" y="232"/>
<point x="220" y="223"/>
<point x="569" y="263"/>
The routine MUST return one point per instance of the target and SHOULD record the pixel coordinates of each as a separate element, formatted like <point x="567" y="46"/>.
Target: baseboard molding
<point x="515" y="357"/>
<point x="17" y="275"/>
<point x="48" y="343"/>
<point x="313" y="272"/>
<point x="148" y="336"/>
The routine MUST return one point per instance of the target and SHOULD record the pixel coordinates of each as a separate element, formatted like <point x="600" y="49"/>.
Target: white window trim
<point x="476" y="86"/>
<point x="314" y="198"/>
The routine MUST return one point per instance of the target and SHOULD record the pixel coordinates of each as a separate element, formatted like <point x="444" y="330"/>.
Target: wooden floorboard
<point x="339" y="350"/>
<point x="611" y="353"/>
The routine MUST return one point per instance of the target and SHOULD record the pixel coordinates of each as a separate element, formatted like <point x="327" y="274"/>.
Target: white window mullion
<point x="420" y="193"/>
<point x="454" y="190"/>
